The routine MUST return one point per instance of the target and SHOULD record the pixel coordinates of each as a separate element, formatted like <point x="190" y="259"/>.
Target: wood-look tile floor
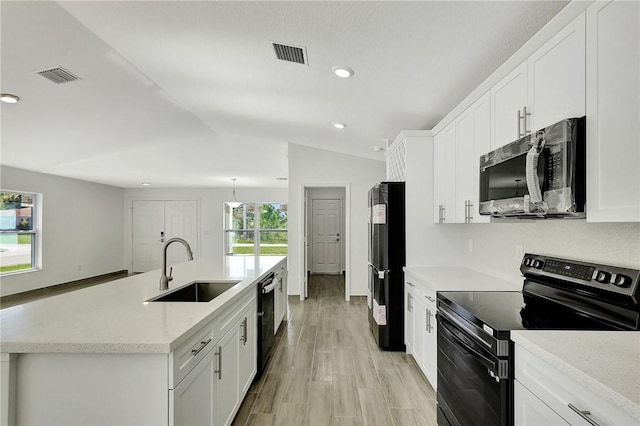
<point x="326" y="370"/>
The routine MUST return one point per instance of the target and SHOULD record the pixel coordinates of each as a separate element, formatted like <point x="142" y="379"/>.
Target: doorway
<point x="325" y="227"/>
<point x="153" y="223"/>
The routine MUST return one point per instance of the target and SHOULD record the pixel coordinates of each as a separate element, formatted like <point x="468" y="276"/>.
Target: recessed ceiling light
<point x="342" y="72"/>
<point x="339" y="125"/>
<point x="145" y="183"/>
<point x="378" y="149"/>
<point x="9" y="98"/>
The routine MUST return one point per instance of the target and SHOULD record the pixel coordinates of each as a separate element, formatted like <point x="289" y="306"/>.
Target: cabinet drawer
<point x="234" y="313"/>
<point x="187" y="356"/>
<point x="557" y="391"/>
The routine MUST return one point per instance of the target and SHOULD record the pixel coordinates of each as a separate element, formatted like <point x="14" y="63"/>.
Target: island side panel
<point x="96" y="389"/>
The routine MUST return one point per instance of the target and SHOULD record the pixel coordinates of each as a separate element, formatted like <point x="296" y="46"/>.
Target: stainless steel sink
<point x="197" y="291"/>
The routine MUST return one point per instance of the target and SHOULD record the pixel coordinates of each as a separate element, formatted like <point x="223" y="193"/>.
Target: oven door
<point x="474" y="386"/>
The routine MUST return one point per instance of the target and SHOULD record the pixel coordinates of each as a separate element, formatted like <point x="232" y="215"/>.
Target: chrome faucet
<point x="164" y="279"/>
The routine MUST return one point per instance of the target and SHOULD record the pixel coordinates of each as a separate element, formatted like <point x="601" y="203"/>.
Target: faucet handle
<point x="169" y="278"/>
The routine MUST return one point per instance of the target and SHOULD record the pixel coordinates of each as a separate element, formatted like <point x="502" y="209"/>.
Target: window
<point x="18" y="231"/>
<point x="256" y="229"/>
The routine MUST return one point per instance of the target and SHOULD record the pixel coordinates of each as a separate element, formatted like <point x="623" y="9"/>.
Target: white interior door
<point x="181" y="220"/>
<point x="148" y="225"/>
<point x="154" y="222"/>
<point x="326" y="241"/>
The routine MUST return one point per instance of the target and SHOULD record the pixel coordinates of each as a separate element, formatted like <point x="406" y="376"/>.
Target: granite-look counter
<point x="605" y="362"/>
<point x="115" y="318"/>
<point x="451" y="278"/>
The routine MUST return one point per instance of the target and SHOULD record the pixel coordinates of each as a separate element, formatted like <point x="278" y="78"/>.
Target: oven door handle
<point x="488" y="362"/>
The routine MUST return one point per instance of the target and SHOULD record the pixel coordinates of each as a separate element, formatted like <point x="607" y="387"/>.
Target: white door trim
<point x="302" y="271"/>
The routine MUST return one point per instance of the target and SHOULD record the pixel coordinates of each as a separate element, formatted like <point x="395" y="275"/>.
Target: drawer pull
<point x="195" y="352"/>
<point x="584" y="414"/>
<point x="430" y="298"/>
<point x="219" y="370"/>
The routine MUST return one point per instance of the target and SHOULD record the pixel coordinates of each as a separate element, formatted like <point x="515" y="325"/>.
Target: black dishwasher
<point x="265" y="321"/>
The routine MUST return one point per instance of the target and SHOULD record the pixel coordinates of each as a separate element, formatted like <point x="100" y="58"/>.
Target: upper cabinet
<point x="444" y="175"/>
<point x="613" y="112"/>
<point x="508" y="98"/>
<point x="546" y="88"/>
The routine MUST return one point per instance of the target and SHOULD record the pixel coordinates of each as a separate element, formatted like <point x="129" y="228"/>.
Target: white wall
<point x="210" y="212"/>
<point x="82" y="229"/>
<point x="317" y="167"/>
<point x="324" y="194"/>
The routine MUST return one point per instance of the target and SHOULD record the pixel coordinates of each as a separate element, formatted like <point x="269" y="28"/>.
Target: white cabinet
<point x="613" y="111"/>
<point x="191" y="402"/>
<point x="551" y="395"/>
<point x="546" y="88"/>
<point x="556" y="76"/>
<point x="473" y="138"/>
<point x="420" y="327"/>
<point x="508" y="97"/>
<point x="280" y="298"/>
<point x="213" y="370"/>
<point x="226" y="377"/>
<point x="444" y="170"/>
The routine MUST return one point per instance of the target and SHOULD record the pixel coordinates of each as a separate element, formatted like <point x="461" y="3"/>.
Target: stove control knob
<point x="603" y="277"/>
<point x="622" y="280"/>
<point x="537" y="264"/>
<point x="528" y="261"/>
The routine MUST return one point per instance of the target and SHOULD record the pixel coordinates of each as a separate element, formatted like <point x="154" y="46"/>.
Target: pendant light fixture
<point x="235" y="203"/>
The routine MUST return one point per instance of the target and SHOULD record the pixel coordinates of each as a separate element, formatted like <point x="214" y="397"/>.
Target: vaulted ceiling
<point x="189" y="93"/>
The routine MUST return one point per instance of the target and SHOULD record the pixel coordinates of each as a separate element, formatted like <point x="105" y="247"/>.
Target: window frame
<point x="35" y="232"/>
<point x="256" y="230"/>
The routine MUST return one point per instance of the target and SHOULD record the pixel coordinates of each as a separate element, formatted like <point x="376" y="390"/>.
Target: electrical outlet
<point x="519" y="253"/>
<point x="470" y="245"/>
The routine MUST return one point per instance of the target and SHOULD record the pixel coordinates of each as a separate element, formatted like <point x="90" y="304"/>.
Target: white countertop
<point x="451" y="278"/>
<point x="113" y="318"/>
<point x="605" y="362"/>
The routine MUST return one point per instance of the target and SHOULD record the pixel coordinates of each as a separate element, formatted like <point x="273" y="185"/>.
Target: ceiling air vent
<point x="290" y="53"/>
<point x="58" y="75"/>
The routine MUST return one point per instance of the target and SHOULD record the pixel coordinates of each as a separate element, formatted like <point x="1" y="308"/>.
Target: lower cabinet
<point x="211" y="393"/>
<point x="420" y="328"/>
<point x="544" y="395"/>
<point x="280" y="299"/>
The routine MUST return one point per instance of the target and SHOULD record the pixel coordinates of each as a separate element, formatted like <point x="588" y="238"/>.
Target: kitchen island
<point x="108" y="355"/>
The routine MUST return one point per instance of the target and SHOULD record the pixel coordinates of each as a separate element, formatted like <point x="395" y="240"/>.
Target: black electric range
<point x="475" y="353"/>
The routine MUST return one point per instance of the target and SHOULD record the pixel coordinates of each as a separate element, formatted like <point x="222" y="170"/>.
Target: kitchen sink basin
<point x="197" y="291"/>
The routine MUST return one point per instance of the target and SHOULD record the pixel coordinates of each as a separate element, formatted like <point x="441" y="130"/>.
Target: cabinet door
<point x="408" y="319"/>
<point x="439" y="178"/>
<point x="430" y="367"/>
<point x="247" y="364"/>
<point x="481" y="144"/>
<point x="226" y="377"/>
<point x="530" y="410"/>
<point x="613" y="108"/>
<point x="465" y="153"/>
<point x="556" y="74"/>
<point x="450" y="174"/>
<point x="507" y="98"/>
<point x="420" y="328"/>
<point x="191" y="402"/>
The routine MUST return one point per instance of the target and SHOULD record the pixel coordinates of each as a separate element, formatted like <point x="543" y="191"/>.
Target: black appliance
<point x="386" y="260"/>
<point x="266" y="293"/>
<point x="475" y="353"/>
<point x="539" y="175"/>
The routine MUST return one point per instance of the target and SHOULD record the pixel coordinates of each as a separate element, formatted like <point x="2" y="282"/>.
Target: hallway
<point x="327" y="370"/>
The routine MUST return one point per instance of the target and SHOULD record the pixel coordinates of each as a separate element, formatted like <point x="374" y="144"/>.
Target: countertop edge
<point x="590" y="383"/>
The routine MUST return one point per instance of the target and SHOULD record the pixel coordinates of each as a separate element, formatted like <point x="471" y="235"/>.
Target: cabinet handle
<point x="428" y="320"/>
<point x="429" y="298"/>
<point x="466" y="211"/>
<point x="204" y="343"/>
<point x="244" y="334"/>
<point x="524" y="119"/>
<point x="444" y="213"/>
<point x="219" y="370"/>
<point x="520" y="134"/>
<point x="584" y="414"/>
<point x="469" y="215"/>
<point x="410" y="284"/>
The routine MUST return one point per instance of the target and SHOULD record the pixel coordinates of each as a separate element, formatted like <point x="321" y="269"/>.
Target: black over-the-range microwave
<point x="540" y="175"/>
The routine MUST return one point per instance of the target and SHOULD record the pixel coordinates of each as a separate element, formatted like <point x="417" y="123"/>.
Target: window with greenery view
<point x="18" y="231"/>
<point x="256" y="229"/>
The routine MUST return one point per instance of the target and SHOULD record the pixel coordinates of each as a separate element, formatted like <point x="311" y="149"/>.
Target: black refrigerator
<point x="386" y="260"/>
